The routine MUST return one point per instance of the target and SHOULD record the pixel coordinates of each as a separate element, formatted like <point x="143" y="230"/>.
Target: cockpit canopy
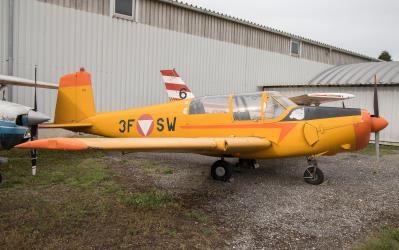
<point x="250" y="106"/>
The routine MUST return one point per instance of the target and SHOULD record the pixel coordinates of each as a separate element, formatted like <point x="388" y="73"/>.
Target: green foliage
<point x="385" y="56"/>
<point x="387" y="239"/>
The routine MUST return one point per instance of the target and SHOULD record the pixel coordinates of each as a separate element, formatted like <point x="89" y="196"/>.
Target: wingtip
<point x="69" y="144"/>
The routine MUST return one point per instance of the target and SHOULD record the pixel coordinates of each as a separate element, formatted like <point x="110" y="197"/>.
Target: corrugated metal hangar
<point x="124" y="44"/>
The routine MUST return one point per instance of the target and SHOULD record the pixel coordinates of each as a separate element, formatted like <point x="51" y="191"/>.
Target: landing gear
<point x="313" y="175"/>
<point x="247" y="163"/>
<point x="221" y="170"/>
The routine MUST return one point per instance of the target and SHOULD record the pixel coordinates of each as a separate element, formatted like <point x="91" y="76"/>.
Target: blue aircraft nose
<point x="35" y="118"/>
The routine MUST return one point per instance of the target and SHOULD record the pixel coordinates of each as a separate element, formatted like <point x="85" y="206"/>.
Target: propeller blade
<point x="376" y="109"/>
<point x="35" y="100"/>
<point x="34" y="130"/>
<point x="33" y="152"/>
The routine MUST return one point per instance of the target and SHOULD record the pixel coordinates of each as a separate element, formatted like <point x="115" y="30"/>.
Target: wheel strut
<point x="313" y="175"/>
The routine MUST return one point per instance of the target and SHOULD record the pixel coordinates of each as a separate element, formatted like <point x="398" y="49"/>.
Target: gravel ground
<point x="272" y="207"/>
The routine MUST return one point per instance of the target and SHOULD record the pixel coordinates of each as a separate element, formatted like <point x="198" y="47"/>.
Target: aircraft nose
<point x="378" y="124"/>
<point x="35" y="118"/>
<point x="362" y="130"/>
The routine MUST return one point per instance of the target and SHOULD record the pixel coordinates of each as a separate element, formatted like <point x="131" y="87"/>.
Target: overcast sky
<point x="363" y="26"/>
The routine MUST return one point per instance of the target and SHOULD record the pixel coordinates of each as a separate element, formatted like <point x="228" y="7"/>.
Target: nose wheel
<point x="313" y="175"/>
<point x="221" y="170"/>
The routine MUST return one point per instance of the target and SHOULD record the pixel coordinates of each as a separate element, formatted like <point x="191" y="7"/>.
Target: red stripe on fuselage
<point x="285" y="127"/>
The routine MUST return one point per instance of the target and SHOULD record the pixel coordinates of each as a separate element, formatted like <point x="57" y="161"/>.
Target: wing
<point x="214" y="145"/>
<point x="319" y="98"/>
<point x="17" y="81"/>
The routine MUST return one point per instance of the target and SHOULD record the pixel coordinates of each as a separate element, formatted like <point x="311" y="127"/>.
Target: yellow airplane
<point x="245" y="126"/>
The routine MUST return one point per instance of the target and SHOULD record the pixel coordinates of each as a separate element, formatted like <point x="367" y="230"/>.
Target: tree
<point x="385" y="56"/>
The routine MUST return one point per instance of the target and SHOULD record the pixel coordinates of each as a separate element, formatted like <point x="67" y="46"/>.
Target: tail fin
<point x="75" y="100"/>
<point x="177" y="89"/>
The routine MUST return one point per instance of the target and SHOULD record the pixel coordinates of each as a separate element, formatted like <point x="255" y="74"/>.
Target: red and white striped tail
<point x="177" y="89"/>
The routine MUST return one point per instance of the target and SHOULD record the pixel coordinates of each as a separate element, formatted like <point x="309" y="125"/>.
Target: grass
<point x="150" y="199"/>
<point x="84" y="200"/>
<point x="198" y="216"/>
<point x="384" y="150"/>
<point x="386" y="239"/>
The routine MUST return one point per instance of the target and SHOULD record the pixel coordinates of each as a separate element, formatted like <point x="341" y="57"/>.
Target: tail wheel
<point x="221" y="170"/>
<point x="313" y="175"/>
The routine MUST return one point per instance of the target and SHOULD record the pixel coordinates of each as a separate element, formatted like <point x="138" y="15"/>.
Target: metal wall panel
<point x="160" y="14"/>
<point x="176" y="16"/>
<point x="388" y="102"/>
<point x="95" y="6"/>
<point x="125" y="57"/>
<point x="4" y="15"/>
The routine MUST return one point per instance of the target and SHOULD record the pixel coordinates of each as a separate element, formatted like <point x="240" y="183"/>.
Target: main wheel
<point x="221" y="170"/>
<point x="312" y="177"/>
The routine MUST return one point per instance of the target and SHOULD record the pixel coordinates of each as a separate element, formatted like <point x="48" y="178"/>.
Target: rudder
<point x="75" y="100"/>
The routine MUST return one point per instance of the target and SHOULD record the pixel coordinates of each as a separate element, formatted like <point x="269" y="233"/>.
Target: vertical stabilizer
<point x="75" y="100"/>
<point x="177" y="89"/>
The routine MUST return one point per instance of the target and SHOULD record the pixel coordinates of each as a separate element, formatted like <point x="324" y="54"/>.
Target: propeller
<point x="376" y="114"/>
<point x="34" y="129"/>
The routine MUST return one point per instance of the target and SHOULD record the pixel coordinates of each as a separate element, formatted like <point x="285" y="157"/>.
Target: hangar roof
<point x="359" y="74"/>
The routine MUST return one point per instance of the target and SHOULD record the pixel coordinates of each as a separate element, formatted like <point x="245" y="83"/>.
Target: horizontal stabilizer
<point x="217" y="145"/>
<point x="17" y="81"/>
<point x="65" y="125"/>
<point x="320" y="98"/>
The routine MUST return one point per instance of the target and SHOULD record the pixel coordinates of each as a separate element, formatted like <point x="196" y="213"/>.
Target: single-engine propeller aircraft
<point x="245" y="126"/>
<point x="18" y="123"/>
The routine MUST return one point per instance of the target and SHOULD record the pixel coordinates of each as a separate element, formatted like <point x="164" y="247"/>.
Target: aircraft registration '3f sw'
<point x="245" y="126"/>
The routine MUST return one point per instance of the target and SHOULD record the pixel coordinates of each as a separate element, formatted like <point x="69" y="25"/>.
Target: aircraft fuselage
<point x="297" y="131"/>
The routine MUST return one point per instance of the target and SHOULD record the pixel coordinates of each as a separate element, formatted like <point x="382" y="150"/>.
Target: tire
<point x="317" y="179"/>
<point x="221" y="170"/>
<point x="1" y="178"/>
